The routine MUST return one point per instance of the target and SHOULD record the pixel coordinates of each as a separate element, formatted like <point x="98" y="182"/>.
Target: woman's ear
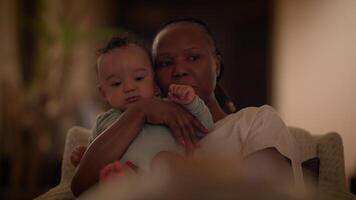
<point x="157" y="91"/>
<point x="218" y="61"/>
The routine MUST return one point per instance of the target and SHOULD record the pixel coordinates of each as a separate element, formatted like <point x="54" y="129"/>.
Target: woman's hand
<point x="181" y="122"/>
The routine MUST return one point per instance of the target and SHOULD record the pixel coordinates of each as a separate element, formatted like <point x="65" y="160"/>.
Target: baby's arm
<point x="77" y="155"/>
<point x="181" y="94"/>
<point x="185" y="95"/>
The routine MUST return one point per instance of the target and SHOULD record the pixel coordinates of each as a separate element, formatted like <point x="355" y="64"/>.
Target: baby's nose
<point x="129" y="86"/>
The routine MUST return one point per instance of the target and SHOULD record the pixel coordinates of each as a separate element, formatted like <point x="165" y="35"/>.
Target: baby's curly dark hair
<point x="119" y="42"/>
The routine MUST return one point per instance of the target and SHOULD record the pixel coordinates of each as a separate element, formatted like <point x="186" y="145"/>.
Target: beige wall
<point x="314" y="70"/>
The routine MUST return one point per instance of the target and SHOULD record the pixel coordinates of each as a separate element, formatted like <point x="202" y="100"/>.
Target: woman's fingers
<point x="194" y="138"/>
<point x="188" y="131"/>
<point x="186" y="134"/>
<point x="191" y="133"/>
<point x="181" y="139"/>
<point x="199" y="126"/>
<point x="189" y="126"/>
<point x="182" y="134"/>
<point x="181" y="122"/>
<point x="177" y="133"/>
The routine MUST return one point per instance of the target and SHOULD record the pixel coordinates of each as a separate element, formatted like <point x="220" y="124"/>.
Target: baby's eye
<point x="116" y="84"/>
<point x="139" y="78"/>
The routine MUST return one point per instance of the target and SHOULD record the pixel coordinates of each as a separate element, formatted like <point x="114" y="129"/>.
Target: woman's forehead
<point x="181" y="36"/>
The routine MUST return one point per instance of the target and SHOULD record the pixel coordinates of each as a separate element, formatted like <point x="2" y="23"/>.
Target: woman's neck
<point x="216" y="111"/>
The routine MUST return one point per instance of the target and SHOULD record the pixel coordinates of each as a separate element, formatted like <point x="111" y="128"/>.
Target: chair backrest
<point x="323" y="157"/>
<point x="332" y="165"/>
<point x="75" y="136"/>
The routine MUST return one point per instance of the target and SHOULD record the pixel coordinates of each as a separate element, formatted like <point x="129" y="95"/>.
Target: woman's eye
<point x="164" y="63"/>
<point x="193" y="57"/>
<point x="115" y="84"/>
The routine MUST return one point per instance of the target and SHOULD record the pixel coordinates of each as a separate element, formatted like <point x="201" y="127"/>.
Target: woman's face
<point x="184" y="54"/>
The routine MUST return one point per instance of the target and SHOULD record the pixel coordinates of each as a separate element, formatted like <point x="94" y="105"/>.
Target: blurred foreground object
<point x="211" y="178"/>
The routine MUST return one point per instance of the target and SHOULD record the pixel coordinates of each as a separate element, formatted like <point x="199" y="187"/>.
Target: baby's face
<point x="125" y="76"/>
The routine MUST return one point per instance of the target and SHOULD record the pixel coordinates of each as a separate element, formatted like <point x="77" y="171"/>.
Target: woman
<point x="184" y="52"/>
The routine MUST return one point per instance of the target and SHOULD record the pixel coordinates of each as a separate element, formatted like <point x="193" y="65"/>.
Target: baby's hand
<point x="77" y="155"/>
<point x="181" y="94"/>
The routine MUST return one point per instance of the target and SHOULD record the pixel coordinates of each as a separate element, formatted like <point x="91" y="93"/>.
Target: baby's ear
<point x="101" y="92"/>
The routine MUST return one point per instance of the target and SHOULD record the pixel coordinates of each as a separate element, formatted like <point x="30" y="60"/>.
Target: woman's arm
<point x="268" y="166"/>
<point x="112" y="143"/>
<point x="106" y="148"/>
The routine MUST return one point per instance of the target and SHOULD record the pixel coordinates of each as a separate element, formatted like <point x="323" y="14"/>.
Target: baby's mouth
<point x="132" y="99"/>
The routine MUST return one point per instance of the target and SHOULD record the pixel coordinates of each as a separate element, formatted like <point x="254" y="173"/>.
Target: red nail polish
<point x="129" y="163"/>
<point x="206" y="130"/>
<point x="118" y="165"/>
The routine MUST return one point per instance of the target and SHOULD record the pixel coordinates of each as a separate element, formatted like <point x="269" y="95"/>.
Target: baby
<point x="125" y="75"/>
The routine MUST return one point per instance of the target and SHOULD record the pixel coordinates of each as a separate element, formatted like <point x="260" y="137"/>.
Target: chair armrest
<point x="75" y="136"/>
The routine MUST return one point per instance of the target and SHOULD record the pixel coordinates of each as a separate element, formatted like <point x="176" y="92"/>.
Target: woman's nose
<point x="180" y="70"/>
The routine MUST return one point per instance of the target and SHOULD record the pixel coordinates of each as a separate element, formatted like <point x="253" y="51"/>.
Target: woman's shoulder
<point x="245" y="117"/>
<point x="262" y="127"/>
<point x="255" y="110"/>
<point x="250" y="113"/>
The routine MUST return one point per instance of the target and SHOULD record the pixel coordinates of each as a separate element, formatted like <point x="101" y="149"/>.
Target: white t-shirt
<point x="237" y="135"/>
<point x="248" y="131"/>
